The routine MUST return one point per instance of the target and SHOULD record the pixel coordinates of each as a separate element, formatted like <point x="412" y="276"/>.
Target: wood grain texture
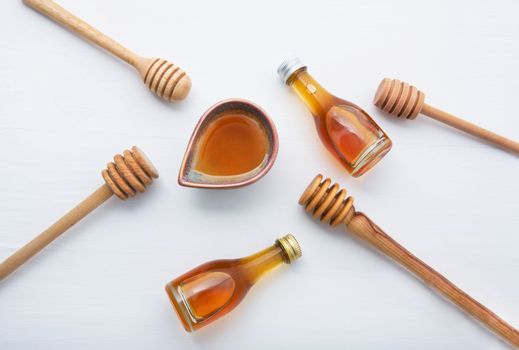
<point x="122" y="177"/>
<point x="120" y="261"/>
<point x="365" y="229"/>
<point x="39" y="242"/>
<point x="327" y="203"/>
<point x="471" y="128"/>
<point x="403" y="100"/>
<point x="171" y="83"/>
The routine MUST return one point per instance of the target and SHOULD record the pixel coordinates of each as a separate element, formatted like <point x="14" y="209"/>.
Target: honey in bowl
<point x="234" y="143"/>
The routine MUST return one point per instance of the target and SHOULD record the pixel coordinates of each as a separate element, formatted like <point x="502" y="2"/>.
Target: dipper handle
<point x="406" y="101"/>
<point x="365" y="229"/>
<point x="126" y="176"/>
<point x="329" y="203"/>
<point x="471" y="128"/>
<point x="54" y="11"/>
<point x="64" y="223"/>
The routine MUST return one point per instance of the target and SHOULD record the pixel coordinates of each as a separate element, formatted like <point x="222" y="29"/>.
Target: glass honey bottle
<point x="347" y="131"/>
<point x="211" y="290"/>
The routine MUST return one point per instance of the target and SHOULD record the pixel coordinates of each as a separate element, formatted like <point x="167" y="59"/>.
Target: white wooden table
<point x="66" y="108"/>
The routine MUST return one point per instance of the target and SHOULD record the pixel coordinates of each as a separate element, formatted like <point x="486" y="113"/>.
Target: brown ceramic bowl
<point x="190" y="177"/>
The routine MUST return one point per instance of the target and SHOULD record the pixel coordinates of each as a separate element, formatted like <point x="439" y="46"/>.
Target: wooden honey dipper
<point x="329" y="204"/>
<point x="403" y="100"/>
<point x="125" y="176"/>
<point x="165" y="79"/>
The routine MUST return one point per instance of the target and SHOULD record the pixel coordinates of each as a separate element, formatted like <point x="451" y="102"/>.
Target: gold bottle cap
<point x="290" y="247"/>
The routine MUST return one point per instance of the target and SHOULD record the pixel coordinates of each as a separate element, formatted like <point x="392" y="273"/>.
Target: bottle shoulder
<point x="341" y="102"/>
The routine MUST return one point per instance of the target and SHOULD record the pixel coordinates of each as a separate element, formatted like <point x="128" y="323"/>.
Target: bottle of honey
<point x="211" y="290"/>
<point x="347" y="131"/>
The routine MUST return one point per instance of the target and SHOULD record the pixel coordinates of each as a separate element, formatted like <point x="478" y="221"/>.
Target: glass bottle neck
<point x="259" y="264"/>
<point x="308" y="89"/>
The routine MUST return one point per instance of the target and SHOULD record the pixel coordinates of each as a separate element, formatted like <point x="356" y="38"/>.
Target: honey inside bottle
<point x="211" y="290"/>
<point x="346" y="130"/>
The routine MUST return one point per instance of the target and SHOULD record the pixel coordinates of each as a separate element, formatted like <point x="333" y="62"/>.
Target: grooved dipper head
<point x="327" y="202"/>
<point x="399" y="98"/>
<point x="129" y="173"/>
<point x="167" y="80"/>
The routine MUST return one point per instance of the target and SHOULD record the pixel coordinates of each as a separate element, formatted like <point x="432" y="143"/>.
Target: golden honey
<point x="213" y="289"/>
<point x="346" y="130"/>
<point x="234" y="143"/>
